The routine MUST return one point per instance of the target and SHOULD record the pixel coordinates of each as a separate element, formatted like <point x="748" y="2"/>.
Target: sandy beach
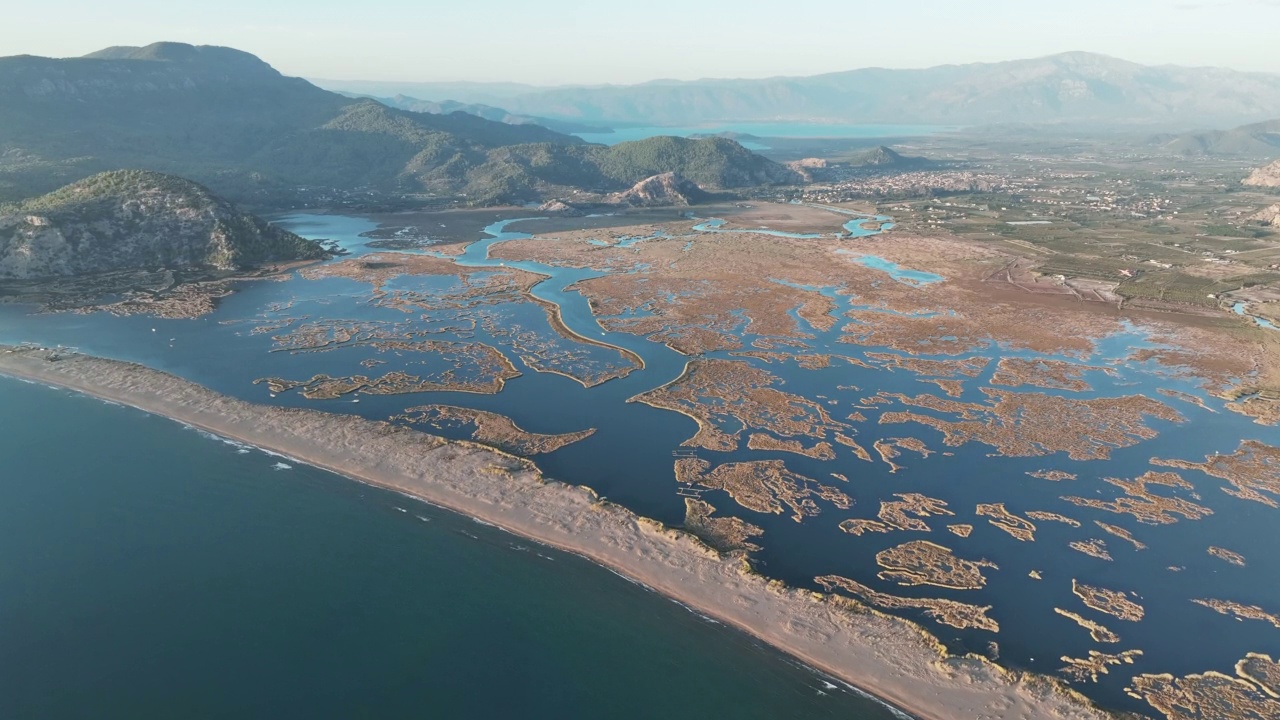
<point x="890" y="658"/>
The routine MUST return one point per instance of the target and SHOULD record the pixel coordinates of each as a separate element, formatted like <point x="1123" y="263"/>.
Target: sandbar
<point x="888" y="657"/>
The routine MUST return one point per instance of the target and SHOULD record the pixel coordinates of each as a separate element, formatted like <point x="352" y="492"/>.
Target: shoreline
<point x="888" y="658"/>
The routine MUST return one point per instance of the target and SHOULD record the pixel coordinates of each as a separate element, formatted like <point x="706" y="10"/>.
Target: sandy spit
<point x="888" y="657"/>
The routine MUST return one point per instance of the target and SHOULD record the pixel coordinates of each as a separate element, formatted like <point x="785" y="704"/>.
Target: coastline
<point x="887" y="657"/>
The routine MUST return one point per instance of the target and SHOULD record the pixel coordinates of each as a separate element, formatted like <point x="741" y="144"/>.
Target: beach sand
<point x="888" y="657"/>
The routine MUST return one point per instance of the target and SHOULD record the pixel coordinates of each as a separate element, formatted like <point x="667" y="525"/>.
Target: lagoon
<point x="629" y="460"/>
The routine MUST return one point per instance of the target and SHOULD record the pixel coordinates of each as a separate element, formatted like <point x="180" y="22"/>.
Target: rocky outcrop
<point x="137" y="220"/>
<point x="1268" y="176"/>
<point x="809" y="169"/>
<point x="559" y="207"/>
<point x="1268" y="216"/>
<point x="664" y="189"/>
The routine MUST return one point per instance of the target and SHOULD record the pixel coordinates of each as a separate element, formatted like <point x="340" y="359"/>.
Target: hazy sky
<point x="581" y="41"/>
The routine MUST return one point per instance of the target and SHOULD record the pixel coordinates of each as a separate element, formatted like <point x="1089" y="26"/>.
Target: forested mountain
<point x="227" y="119"/>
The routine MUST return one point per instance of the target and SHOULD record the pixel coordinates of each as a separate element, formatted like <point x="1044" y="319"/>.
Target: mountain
<point x="1067" y="88"/>
<point x="529" y="172"/>
<point x="885" y="157"/>
<point x="1254" y="140"/>
<point x="488" y="93"/>
<point x="662" y="190"/>
<point x="219" y="116"/>
<point x="226" y="119"/>
<point x="1268" y="176"/>
<point x="137" y="220"/>
<point x="488" y="112"/>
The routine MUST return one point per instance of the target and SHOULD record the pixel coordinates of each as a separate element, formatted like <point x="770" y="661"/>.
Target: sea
<point x="149" y="570"/>
<point x="141" y="555"/>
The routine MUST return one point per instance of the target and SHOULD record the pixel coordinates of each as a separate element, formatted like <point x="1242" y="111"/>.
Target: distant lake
<point x="769" y="130"/>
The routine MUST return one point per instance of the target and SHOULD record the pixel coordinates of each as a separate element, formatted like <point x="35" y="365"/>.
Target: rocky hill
<point x="137" y="220"/>
<point x="230" y="121"/>
<point x="1268" y="176"/>
<point x="1269" y="216"/>
<point x="887" y="158"/>
<point x="666" y="189"/>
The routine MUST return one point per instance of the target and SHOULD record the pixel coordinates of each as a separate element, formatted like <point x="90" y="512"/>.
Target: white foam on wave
<point x="282" y="466"/>
<point x="893" y="709"/>
<point x="282" y="456"/>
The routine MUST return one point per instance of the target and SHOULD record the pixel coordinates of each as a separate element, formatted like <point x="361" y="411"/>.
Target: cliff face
<point x="129" y="220"/>
<point x="1268" y="176"/>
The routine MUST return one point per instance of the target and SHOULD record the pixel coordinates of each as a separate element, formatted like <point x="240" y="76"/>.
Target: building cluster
<point x="908" y="184"/>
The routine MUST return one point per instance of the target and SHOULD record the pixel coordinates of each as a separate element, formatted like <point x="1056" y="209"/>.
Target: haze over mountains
<point x="1253" y="140"/>
<point x="488" y="112"/>
<point x="227" y="119"/>
<point x="1067" y="88"/>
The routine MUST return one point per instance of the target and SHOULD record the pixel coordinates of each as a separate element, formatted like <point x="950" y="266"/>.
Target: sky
<point x="555" y="42"/>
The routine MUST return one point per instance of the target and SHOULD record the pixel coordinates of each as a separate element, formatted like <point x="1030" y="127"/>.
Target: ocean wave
<point x="282" y="466"/>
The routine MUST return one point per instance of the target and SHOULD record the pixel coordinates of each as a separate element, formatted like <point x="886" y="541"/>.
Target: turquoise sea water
<point x="156" y="572"/>
<point x="768" y="130"/>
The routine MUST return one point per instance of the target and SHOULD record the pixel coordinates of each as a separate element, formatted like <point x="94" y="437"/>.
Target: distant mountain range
<point x="488" y="112"/>
<point x="137" y="220"/>
<point x="1253" y="140"/>
<point x="230" y="121"/>
<point x="1070" y="88"/>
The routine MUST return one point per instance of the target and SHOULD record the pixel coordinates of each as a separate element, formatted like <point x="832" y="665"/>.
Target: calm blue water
<point x="895" y="271"/>
<point x="1239" y="309"/>
<point x="852" y="229"/>
<point x="629" y="459"/>
<point x="156" y="572"/>
<point x="769" y="130"/>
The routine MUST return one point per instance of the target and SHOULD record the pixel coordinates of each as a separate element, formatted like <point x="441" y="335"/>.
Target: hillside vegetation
<point x="137" y="220"/>
<point x="228" y="120"/>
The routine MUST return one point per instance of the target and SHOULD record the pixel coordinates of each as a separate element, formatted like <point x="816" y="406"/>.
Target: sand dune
<point x="890" y="658"/>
